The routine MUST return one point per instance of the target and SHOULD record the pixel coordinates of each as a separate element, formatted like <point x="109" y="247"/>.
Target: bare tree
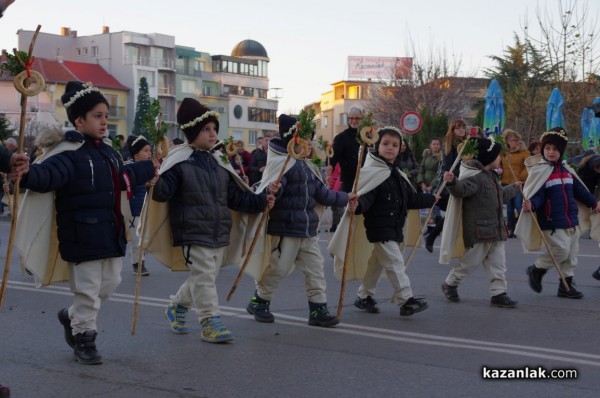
<point x="569" y="41"/>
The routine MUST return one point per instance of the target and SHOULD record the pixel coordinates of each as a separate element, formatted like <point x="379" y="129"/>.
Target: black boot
<point x="596" y="274"/>
<point x="144" y="270"/>
<point x="85" y="348"/>
<point x="535" y="277"/>
<point x="433" y="234"/>
<point x="319" y="315"/>
<point x="260" y="309"/>
<point x="63" y="318"/>
<point x="572" y="293"/>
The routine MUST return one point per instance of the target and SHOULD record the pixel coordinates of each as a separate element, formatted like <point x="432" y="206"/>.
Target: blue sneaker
<point x="175" y="313"/>
<point x="214" y="331"/>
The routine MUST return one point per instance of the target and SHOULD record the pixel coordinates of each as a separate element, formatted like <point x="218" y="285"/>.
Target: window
<point x="262" y="115"/>
<point x="237" y="111"/>
<point x="149" y="75"/>
<point x="230" y="90"/>
<point x="237" y="135"/>
<point x="95" y="51"/>
<point x="324" y="121"/>
<point x="262" y="93"/>
<point x="343" y="118"/>
<point x="247" y="91"/>
<point x="85" y="51"/>
<point x="78" y="51"/>
<point x="206" y="91"/>
<point x="252" y="136"/>
<point x="112" y="129"/>
<point x="353" y="92"/>
<point x="188" y="86"/>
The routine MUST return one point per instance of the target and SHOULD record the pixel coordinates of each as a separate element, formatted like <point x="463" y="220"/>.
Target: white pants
<point x="91" y="282"/>
<point x="135" y="239"/>
<point x="199" y="291"/>
<point x="386" y="256"/>
<point x="492" y="255"/>
<point x="289" y="253"/>
<point x="564" y="244"/>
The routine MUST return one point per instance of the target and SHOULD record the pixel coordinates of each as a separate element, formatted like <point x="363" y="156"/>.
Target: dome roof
<point x="249" y="49"/>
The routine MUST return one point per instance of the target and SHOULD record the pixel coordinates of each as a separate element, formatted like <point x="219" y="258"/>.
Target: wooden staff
<point x="363" y="149"/>
<point x="256" y="234"/>
<point x="535" y="221"/>
<point x="430" y="212"/>
<point x="15" y="203"/>
<point x="143" y="223"/>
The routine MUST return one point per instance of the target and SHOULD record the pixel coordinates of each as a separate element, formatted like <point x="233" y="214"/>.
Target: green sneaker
<point x="175" y="313"/>
<point x="214" y="331"/>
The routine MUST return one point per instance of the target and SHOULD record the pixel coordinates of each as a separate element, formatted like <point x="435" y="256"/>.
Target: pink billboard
<point x="379" y="68"/>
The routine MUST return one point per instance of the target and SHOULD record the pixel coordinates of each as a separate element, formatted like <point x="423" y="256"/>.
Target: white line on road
<point x="580" y="358"/>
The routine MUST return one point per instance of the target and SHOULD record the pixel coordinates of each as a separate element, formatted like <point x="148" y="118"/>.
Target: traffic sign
<point x="411" y="122"/>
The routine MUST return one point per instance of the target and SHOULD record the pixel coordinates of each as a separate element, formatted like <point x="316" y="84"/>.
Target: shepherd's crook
<point x="143" y="223"/>
<point x="438" y="193"/>
<point x="15" y="203"/>
<point x="363" y="149"/>
<point x="256" y="234"/>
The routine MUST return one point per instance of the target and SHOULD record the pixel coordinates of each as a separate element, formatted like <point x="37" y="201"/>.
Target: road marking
<point x="580" y="358"/>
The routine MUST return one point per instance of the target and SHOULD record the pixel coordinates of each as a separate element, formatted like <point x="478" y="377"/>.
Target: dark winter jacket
<point x="408" y="164"/>
<point x="259" y="160"/>
<point x="294" y="211"/>
<point x="385" y="207"/>
<point x="554" y="204"/>
<point x="482" y="207"/>
<point x="588" y="175"/>
<point x="87" y="183"/>
<point x="345" y="152"/>
<point x="5" y="155"/>
<point x="200" y="194"/>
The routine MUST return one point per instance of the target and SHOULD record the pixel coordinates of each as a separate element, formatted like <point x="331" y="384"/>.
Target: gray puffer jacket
<point x="482" y="210"/>
<point x="200" y="194"/>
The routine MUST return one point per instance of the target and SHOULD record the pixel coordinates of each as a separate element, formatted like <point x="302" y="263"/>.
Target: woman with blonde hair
<point x="456" y="134"/>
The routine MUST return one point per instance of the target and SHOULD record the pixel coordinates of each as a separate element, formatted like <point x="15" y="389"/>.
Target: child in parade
<point x="386" y="195"/>
<point x="476" y="206"/>
<point x="292" y="230"/>
<point x="201" y="188"/>
<point x="84" y="177"/>
<point x="139" y="150"/>
<point x="561" y="203"/>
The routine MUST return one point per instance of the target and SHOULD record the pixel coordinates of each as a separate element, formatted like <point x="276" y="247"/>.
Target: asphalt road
<point x="441" y="352"/>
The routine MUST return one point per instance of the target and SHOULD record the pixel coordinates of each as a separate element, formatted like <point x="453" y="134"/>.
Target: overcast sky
<point x="308" y="42"/>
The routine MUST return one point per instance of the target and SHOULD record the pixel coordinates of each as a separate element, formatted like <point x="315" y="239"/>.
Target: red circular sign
<point x="411" y="122"/>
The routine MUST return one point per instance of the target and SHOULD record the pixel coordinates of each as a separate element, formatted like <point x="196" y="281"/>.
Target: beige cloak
<point x="531" y="238"/>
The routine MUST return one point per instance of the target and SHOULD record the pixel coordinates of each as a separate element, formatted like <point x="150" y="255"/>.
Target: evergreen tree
<point x="141" y="110"/>
<point x="6" y="129"/>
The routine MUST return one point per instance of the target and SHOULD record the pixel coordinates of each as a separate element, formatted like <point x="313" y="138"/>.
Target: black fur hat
<point x="137" y="145"/>
<point x="286" y="131"/>
<point x="556" y="136"/>
<point x="487" y="150"/>
<point x="192" y="116"/>
<point x="80" y="98"/>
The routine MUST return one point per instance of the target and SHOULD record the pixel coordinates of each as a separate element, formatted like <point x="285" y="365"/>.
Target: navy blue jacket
<point x="554" y="204"/>
<point x="87" y="185"/>
<point x="294" y="211"/>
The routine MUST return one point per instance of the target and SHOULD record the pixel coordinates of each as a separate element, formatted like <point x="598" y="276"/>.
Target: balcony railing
<point x="166" y="90"/>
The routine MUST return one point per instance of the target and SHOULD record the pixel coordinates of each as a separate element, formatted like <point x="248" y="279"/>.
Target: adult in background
<point x="589" y="172"/>
<point x="456" y="134"/>
<point x="513" y="166"/>
<point x="259" y="160"/>
<point x="242" y="161"/>
<point x="345" y="150"/>
<point x="427" y="176"/>
<point x="406" y="161"/>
